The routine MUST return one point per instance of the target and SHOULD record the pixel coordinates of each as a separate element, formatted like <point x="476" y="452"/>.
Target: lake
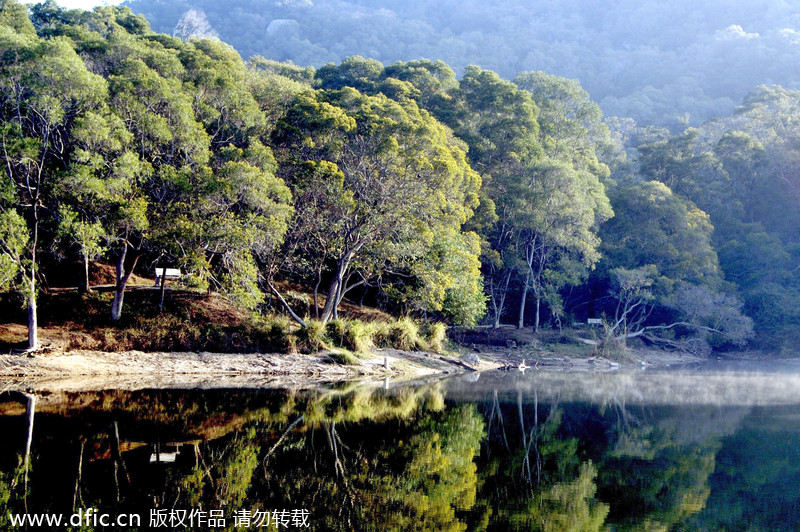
<point x="707" y="447"/>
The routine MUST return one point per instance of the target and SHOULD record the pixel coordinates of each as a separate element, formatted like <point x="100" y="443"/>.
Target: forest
<point x="458" y="198"/>
<point x="671" y="64"/>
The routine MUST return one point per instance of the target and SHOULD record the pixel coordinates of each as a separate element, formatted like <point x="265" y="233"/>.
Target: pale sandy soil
<point x="93" y="370"/>
<point x="83" y="370"/>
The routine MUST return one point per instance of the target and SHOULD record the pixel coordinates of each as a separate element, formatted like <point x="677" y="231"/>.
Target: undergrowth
<point x="197" y="322"/>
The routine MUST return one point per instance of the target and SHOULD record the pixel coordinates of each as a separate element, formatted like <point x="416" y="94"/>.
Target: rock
<point x="471" y="358"/>
<point x="511" y="343"/>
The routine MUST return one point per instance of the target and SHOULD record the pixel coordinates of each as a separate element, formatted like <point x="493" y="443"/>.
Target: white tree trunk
<point x="523" y="299"/>
<point x="116" y="305"/>
<point x="33" y="320"/>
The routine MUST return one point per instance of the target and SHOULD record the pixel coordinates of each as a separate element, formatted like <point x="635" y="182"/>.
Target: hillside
<point x="659" y="63"/>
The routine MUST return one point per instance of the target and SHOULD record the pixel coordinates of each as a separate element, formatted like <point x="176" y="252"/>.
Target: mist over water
<point x="717" y="384"/>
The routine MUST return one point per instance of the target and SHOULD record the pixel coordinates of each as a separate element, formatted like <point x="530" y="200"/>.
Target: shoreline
<point x="84" y="370"/>
<point x="93" y="370"/>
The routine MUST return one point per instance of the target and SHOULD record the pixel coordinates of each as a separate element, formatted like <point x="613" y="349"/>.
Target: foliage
<point x="378" y="180"/>
<point x="402" y="186"/>
<point x="658" y="64"/>
<point x="13" y="240"/>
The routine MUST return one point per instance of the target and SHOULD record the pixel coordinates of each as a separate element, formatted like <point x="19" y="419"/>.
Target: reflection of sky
<point x="83" y="4"/>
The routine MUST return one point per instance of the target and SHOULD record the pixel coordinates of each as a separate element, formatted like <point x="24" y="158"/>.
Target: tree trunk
<point x="334" y="289"/>
<point x="493" y="300"/>
<point x="536" y="321"/>
<point x="521" y="321"/>
<point x="163" y="290"/>
<point x="33" y="320"/>
<point x="85" y="287"/>
<point x="291" y="312"/>
<point x="499" y="300"/>
<point x="330" y="301"/>
<point x="335" y="313"/>
<point x="316" y="291"/>
<point x="116" y="304"/>
<point x="122" y="281"/>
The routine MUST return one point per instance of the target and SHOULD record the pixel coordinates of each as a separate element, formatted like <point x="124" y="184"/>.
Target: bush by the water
<point x="359" y="336"/>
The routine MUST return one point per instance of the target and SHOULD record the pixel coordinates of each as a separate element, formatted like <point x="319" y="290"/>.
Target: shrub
<point x="402" y="334"/>
<point x="313" y="337"/>
<point x="435" y="335"/>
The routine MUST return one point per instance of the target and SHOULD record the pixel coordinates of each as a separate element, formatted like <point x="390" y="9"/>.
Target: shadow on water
<point x="686" y="449"/>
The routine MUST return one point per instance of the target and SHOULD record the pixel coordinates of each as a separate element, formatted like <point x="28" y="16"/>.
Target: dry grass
<point x="197" y="322"/>
<point x="190" y="322"/>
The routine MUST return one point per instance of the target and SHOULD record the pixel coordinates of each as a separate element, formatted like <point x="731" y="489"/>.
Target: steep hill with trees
<point x="660" y="63"/>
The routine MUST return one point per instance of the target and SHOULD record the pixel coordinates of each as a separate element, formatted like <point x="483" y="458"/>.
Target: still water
<point x="703" y="448"/>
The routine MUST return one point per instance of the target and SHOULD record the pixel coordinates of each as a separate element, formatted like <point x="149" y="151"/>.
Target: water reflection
<point x="505" y="452"/>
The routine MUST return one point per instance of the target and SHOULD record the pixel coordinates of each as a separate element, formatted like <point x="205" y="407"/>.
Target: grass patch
<point x="343" y="358"/>
<point x="313" y="337"/>
<point x="402" y="334"/>
<point x="353" y="335"/>
<point x="435" y="336"/>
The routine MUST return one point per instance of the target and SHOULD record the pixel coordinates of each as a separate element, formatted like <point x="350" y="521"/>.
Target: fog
<point x="660" y="63"/>
<point x="745" y="384"/>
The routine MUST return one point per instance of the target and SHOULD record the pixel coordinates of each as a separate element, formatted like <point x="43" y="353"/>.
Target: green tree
<point x="559" y="211"/>
<point x="173" y="169"/>
<point x="499" y="123"/>
<point x="45" y="87"/>
<point x="398" y="177"/>
<point x="660" y="254"/>
<point x="575" y="142"/>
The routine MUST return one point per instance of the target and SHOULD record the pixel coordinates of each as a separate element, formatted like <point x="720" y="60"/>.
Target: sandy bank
<point x="85" y="370"/>
<point x="94" y="370"/>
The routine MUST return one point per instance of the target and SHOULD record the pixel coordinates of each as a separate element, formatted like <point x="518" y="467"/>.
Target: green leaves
<point x="88" y="235"/>
<point x="14" y="239"/>
<point x="662" y="229"/>
<point x="382" y="178"/>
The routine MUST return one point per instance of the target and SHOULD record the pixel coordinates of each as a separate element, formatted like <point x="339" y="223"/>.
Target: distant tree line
<point x="659" y="63"/>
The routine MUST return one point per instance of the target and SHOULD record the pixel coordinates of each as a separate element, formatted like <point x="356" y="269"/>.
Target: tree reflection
<point x="366" y="458"/>
<point x="540" y="484"/>
<point x="657" y="470"/>
<point x="414" y="471"/>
